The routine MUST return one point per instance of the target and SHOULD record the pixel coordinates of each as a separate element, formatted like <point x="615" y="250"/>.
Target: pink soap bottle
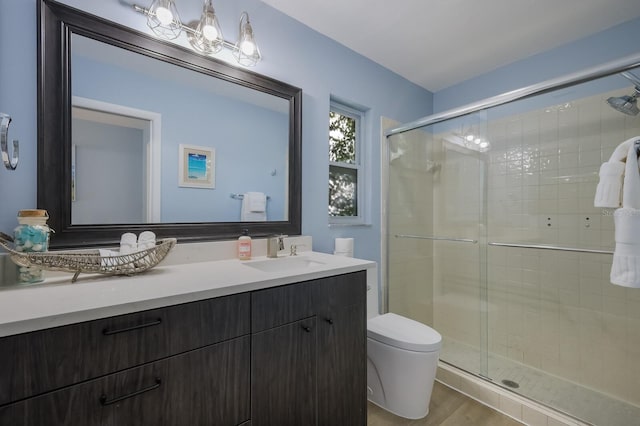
<point x="244" y="245"/>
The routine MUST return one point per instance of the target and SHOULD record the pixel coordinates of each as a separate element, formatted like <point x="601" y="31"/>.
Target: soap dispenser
<point x="244" y="245"/>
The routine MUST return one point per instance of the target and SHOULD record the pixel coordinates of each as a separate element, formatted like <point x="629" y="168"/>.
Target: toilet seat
<point x="403" y="333"/>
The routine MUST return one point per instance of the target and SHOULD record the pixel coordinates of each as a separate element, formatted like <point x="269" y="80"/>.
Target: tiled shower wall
<point x="555" y="311"/>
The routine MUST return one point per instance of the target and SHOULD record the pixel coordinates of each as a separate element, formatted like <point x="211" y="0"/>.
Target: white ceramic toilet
<point x="402" y="358"/>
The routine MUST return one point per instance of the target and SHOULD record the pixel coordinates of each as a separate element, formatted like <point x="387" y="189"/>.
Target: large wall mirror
<point x="136" y="134"/>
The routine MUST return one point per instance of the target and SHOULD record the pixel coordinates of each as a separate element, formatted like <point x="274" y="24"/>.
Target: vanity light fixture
<point x="205" y="35"/>
<point x="246" y="50"/>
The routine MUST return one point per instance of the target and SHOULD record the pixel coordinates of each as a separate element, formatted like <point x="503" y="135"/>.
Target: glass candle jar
<point x="31" y="235"/>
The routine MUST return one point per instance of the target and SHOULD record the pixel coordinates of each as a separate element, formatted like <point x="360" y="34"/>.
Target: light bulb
<point x="209" y="32"/>
<point x="247" y="47"/>
<point x="164" y="15"/>
<point x="477" y="141"/>
<point x="484" y="144"/>
<point x="469" y="138"/>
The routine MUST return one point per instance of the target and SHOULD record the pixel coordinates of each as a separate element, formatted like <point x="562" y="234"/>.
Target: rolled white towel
<point x="625" y="270"/>
<point x="128" y="243"/>
<point x="146" y="240"/>
<point x="609" y="190"/>
<point x="631" y="185"/>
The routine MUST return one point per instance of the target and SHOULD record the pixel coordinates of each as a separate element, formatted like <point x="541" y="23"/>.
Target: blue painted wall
<point x="608" y="45"/>
<point x="292" y="53"/>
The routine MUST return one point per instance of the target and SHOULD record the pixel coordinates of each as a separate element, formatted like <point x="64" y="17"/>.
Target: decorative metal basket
<point x="90" y="261"/>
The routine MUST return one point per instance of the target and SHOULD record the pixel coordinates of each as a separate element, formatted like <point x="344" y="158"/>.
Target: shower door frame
<point x="603" y="70"/>
<point x="608" y="68"/>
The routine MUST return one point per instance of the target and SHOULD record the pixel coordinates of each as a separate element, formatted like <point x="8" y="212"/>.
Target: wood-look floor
<point x="449" y="408"/>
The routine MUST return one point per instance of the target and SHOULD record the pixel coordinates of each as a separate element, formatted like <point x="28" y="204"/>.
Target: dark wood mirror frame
<point x="57" y="23"/>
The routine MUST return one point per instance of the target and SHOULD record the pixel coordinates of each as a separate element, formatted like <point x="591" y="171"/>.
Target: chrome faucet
<point x="275" y="243"/>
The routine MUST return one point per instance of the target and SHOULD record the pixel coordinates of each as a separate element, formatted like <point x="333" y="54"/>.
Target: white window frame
<point x="363" y="190"/>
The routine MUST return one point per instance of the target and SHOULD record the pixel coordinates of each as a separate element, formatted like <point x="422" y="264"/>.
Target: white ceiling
<point x="438" y="43"/>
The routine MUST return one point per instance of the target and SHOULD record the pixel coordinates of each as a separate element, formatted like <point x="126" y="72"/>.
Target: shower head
<point x="627" y="104"/>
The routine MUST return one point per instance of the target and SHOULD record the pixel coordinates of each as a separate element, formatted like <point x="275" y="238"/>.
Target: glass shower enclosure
<point x="494" y="241"/>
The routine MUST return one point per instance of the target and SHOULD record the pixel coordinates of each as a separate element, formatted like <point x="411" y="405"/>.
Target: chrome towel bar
<point x="423" y="237"/>
<point x="545" y="247"/>
<point x="241" y="196"/>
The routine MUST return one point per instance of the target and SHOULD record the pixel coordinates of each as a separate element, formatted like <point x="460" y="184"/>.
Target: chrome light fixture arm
<point x="10" y="162"/>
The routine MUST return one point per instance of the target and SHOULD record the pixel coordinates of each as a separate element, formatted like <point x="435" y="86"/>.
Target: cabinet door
<point x="208" y="386"/>
<point x="342" y="350"/>
<point x="283" y="375"/>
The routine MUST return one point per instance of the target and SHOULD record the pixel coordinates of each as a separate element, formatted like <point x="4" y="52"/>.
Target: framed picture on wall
<point x="197" y="166"/>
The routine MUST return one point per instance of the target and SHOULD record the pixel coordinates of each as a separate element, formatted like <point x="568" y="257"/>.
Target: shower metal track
<point x="545" y="247"/>
<point x="613" y="67"/>
<point x="426" y="237"/>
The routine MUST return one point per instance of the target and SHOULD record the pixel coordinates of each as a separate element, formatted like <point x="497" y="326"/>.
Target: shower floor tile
<point x="578" y="401"/>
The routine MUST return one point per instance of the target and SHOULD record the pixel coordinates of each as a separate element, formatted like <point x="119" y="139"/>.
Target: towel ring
<point x="9" y="163"/>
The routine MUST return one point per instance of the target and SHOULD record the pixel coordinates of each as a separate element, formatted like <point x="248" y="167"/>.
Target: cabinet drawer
<point x="281" y="305"/>
<point x="201" y="387"/>
<point x="37" y="362"/>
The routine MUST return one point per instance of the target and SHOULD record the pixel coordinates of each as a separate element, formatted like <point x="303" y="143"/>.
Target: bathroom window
<point x="346" y="165"/>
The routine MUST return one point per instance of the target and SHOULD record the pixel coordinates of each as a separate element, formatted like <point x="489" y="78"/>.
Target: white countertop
<point x="58" y="302"/>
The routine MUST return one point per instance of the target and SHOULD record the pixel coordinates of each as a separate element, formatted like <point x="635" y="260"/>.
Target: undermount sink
<point x="284" y="264"/>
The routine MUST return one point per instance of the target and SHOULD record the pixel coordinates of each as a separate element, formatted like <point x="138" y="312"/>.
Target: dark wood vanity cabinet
<point x="288" y="355"/>
<point x="308" y="354"/>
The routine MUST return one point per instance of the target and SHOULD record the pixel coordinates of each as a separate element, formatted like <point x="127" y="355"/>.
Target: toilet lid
<point x="404" y="333"/>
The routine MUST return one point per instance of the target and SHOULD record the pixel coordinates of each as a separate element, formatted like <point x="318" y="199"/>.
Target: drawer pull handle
<point x="105" y="401"/>
<point x="330" y="321"/>
<point x="306" y="328"/>
<point x="108" y="332"/>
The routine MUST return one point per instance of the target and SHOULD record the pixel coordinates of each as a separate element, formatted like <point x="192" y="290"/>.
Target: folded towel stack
<point x="622" y="188"/>
<point x="254" y="207"/>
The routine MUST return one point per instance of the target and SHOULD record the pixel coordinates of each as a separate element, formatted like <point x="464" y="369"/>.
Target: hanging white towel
<point x="253" y="200"/>
<point x="609" y="190"/>
<point x="257" y="201"/>
<point x="625" y="270"/>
